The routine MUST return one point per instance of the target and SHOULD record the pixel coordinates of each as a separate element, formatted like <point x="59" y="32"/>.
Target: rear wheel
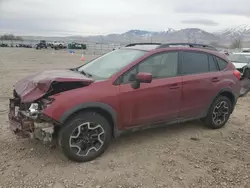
<point x="85" y="136"/>
<point x="219" y="113"/>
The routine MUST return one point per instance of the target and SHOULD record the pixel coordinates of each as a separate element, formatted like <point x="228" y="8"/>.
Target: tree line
<point x="236" y="43"/>
<point x="10" y="37"/>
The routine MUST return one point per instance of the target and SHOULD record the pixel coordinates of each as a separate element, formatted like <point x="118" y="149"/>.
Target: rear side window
<point x="194" y="63"/>
<point x="212" y="64"/>
<point x="222" y="64"/>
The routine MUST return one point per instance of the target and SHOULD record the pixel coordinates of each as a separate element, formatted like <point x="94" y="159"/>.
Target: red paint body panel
<point x="36" y="86"/>
<point x="157" y="101"/>
<point x="102" y="91"/>
<point x="197" y="92"/>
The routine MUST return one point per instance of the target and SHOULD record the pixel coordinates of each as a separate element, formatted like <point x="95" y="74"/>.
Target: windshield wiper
<point x="85" y="73"/>
<point x="82" y="72"/>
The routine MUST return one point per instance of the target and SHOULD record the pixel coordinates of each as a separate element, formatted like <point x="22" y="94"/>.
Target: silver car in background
<point x="241" y="62"/>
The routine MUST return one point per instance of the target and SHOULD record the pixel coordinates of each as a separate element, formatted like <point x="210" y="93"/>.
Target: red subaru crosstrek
<point x="137" y="86"/>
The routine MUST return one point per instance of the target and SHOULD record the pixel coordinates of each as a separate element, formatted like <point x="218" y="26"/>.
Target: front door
<point x="152" y="102"/>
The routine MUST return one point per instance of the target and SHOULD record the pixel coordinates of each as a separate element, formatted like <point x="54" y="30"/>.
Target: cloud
<point x="226" y="7"/>
<point x="78" y="17"/>
<point x="200" y="22"/>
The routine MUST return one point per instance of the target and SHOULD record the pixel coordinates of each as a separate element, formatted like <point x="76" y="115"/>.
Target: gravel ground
<point x="184" y="155"/>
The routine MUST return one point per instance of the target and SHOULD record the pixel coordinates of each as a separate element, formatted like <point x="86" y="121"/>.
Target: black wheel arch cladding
<point x="96" y="105"/>
<point x="227" y="92"/>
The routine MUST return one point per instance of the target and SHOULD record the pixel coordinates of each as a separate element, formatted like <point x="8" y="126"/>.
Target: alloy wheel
<point x="86" y="138"/>
<point x="220" y="112"/>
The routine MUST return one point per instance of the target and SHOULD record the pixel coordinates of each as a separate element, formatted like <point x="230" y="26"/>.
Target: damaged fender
<point x="48" y="83"/>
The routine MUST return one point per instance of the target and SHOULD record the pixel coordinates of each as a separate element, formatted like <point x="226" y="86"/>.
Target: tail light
<point x="237" y="74"/>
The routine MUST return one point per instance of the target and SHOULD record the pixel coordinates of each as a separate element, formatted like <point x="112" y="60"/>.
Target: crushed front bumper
<point x="17" y="124"/>
<point x="26" y="127"/>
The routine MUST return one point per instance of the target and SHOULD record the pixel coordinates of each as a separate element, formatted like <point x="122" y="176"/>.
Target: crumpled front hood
<point x="239" y="65"/>
<point x="36" y="86"/>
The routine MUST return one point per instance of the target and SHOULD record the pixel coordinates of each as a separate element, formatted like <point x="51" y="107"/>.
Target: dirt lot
<point x="185" y="155"/>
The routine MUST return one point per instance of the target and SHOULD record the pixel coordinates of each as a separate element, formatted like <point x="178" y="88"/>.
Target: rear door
<point x="200" y="79"/>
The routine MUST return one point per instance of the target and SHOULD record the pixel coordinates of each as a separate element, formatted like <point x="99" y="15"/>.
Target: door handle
<point x="215" y="79"/>
<point x="174" y="86"/>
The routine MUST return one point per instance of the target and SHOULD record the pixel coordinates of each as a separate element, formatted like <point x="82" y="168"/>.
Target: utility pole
<point x="101" y="43"/>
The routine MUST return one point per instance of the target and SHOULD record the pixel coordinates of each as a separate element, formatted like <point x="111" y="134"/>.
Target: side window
<point x="169" y="65"/>
<point x="212" y="64"/>
<point x="222" y="64"/>
<point x="163" y="65"/>
<point x="150" y="63"/>
<point x="129" y="76"/>
<point x="194" y="63"/>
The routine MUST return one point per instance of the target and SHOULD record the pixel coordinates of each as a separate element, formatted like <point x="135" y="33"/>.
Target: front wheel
<point x="85" y="136"/>
<point x="219" y="113"/>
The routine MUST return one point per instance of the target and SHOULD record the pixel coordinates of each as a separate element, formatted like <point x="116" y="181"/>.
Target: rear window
<point x="221" y="63"/>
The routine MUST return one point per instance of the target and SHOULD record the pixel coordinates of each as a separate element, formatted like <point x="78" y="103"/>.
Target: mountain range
<point x="223" y="37"/>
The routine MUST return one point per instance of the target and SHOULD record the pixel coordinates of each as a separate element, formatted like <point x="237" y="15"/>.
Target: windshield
<point x="237" y="58"/>
<point x="107" y="65"/>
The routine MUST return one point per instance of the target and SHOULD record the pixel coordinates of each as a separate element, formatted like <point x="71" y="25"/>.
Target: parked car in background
<point x="41" y="44"/>
<point x="49" y="44"/>
<point x="74" y="45"/>
<point x="241" y="63"/>
<point x="245" y="50"/>
<point x="4" y="45"/>
<point x="24" y="46"/>
<point x="58" y="45"/>
<point x="245" y="53"/>
<point x="135" y="87"/>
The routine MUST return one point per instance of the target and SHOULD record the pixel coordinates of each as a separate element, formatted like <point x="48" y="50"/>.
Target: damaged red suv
<point x="135" y="87"/>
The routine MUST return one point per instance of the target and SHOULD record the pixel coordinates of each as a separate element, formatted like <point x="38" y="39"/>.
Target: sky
<point x="94" y="17"/>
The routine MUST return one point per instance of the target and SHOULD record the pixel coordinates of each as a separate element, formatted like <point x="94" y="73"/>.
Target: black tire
<point x="210" y="119"/>
<point x="65" y="133"/>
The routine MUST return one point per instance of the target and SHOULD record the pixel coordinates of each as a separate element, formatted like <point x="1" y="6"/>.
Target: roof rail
<point x="143" y="43"/>
<point x="191" y="45"/>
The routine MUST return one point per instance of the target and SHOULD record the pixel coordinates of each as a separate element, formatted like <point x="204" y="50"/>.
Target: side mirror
<point x="141" y="77"/>
<point x="144" y="77"/>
